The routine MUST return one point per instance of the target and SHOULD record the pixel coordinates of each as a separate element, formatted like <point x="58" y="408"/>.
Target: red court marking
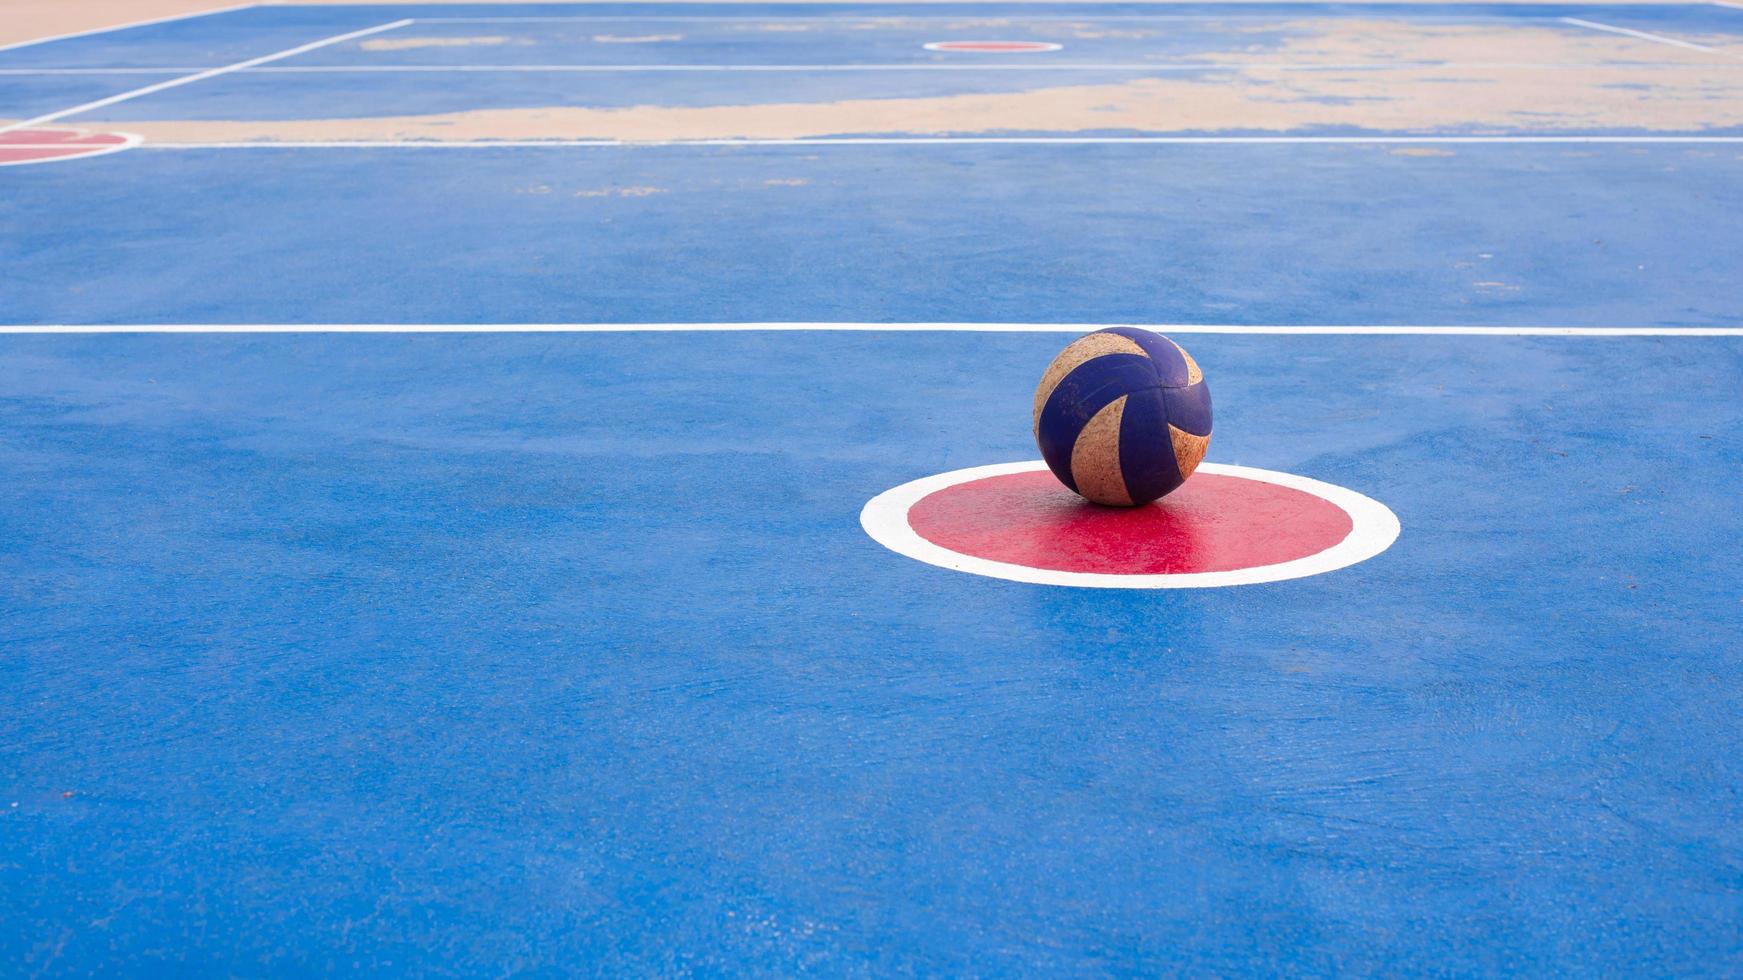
<point x="994" y="47"/>
<point x="61" y="137"/>
<point x="1213" y="523"/>
<point x="31" y="154"/>
<point x="40" y="145"/>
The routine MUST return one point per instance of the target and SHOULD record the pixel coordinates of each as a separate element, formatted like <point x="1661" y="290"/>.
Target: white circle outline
<point x="950" y="47"/>
<point x="1373" y="528"/>
<point x="129" y="141"/>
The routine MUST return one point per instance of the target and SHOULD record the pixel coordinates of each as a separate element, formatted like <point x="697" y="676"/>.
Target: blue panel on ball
<point x="1165" y="358"/>
<point x="1091" y="387"/>
<point x="1146" y="453"/>
<point x="1189" y="408"/>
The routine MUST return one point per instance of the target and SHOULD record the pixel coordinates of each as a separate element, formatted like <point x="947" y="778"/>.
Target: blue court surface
<point x="433" y="442"/>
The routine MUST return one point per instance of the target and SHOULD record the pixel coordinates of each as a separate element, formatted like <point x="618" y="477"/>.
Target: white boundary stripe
<point x="211" y="73"/>
<point x="1000" y="66"/>
<point x="125" y="27"/>
<point x="131" y="140"/>
<point x="969" y="47"/>
<point x="933" y="142"/>
<point x="937" y="141"/>
<point x="1009" y="66"/>
<point x="867" y="327"/>
<point x="1640" y="34"/>
<point x="1733" y="6"/>
<point x="1374" y="528"/>
<point x="905" y="66"/>
<point x="909" y="66"/>
<point x="1408" y="9"/>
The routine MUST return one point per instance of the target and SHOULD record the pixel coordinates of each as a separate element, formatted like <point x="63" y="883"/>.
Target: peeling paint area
<point x="1405" y="41"/>
<point x="414" y="43"/>
<point x="636" y="39"/>
<point x="1298" y="76"/>
<point x="621" y="192"/>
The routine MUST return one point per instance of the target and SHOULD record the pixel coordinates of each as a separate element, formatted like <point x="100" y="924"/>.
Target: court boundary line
<point x="127" y="27"/>
<point x="1170" y="67"/>
<point x="202" y="76"/>
<point x="1643" y="35"/>
<point x="945" y="141"/>
<point x="1034" y="18"/>
<point x="1323" y="330"/>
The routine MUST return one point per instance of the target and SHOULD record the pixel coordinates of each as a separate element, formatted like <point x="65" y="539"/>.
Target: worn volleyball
<point x="1122" y="416"/>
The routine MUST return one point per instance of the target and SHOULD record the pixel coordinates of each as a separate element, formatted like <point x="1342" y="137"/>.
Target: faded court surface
<point x="433" y="442"/>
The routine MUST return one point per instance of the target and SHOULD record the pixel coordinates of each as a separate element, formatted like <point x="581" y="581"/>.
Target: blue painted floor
<point x="442" y="653"/>
<point x="566" y="653"/>
<point x="1598" y="235"/>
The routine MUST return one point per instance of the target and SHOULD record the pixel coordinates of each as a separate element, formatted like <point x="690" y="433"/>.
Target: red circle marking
<point x="39" y="145"/>
<point x="992" y="46"/>
<point x="1213" y="523"/>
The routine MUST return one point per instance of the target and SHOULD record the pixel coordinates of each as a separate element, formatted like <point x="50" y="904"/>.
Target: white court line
<point x="1002" y="66"/>
<point x="125" y="27"/>
<point x="1065" y="328"/>
<point x="1733" y="6"/>
<point x="907" y="66"/>
<point x="1016" y="19"/>
<point x="211" y="73"/>
<point x="1640" y="34"/>
<point x="902" y="66"/>
<point x="942" y="141"/>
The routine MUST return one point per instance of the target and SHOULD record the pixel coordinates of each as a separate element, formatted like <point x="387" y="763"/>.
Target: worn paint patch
<point x="1730" y="45"/>
<point x="1399" y="41"/>
<point x="1491" y="100"/>
<point x="963" y="25"/>
<point x="640" y="39"/>
<point x="1470" y="79"/>
<point x="413" y="43"/>
<point x="622" y="192"/>
<point x="1085" y="32"/>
